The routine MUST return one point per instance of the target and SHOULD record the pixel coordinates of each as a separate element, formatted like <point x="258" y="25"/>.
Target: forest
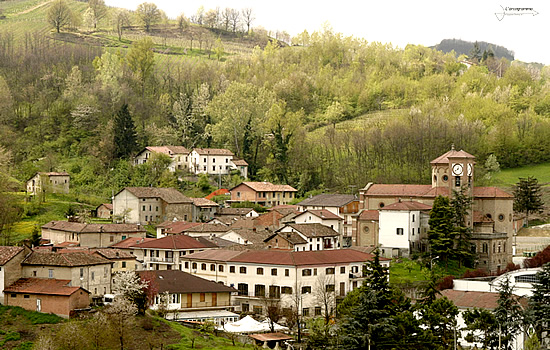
<point x="327" y="112"/>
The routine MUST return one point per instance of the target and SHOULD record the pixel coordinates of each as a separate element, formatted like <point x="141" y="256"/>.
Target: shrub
<point x="538" y="260"/>
<point x="446" y="283"/>
<point x="475" y="273"/>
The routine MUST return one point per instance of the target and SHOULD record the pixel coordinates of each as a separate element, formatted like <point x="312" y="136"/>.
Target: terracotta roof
<point x="464" y="299"/>
<point x="444" y="158"/>
<point x="92" y="228"/>
<point x="53" y="173"/>
<point x="177" y="227"/>
<point x="175" y="242"/>
<point x="282" y="257"/>
<point x="267" y="187"/>
<point x="427" y="191"/>
<point x="113" y="253"/>
<point x="67" y="244"/>
<point x="214" y="151"/>
<point x="369" y="215"/>
<point x="66" y="259"/>
<point x="48" y="286"/>
<point x="203" y="202"/>
<point x="291" y="237"/>
<point x="218" y="193"/>
<point x="322" y="213"/>
<point x="234" y="211"/>
<point x="175" y="281"/>
<point x="314" y="230"/>
<point x="491" y="192"/>
<point x="240" y="162"/>
<point x="207" y="227"/>
<point x="130" y="242"/>
<point x="284" y="207"/>
<point x="251" y="236"/>
<point x="169" y="195"/>
<point x="480" y="217"/>
<point x="169" y="150"/>
<point x="407" y="205"/>
<point x="220" y="242"/>
<point x="106" y="205"/>
<point x="7" y="253"/>
<point x="329" y="200"/>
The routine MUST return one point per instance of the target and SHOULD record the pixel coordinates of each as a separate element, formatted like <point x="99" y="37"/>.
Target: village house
<point x="242" y="166"/>
<point x="237" y="212"/>
<point x="276" y="217"/>
<point x="47" y="295"/>
<point x="207" y="230"/>
<point x="145" y="205"/>
<point x="104" y="211"/>
<point x="10" y="266"/>
<point x="165" y="253"/>
<point x="121" y="260"/>
<point x="90" y="235"/>
<point x="321" y="216"/>
<point x="93" y="273"/>
<point x="302" y="237"/>
<point x="174" y="228"/>
<point x="400" y="228"/>
<point x="263" y="193"/>
<point x="185" y="297"/>
<point x="244" y="236"/>
<point x="212" y="161"/>
<point x="50" y="182"/>
<point x="128" y="244"/>
<point x="282" y="275"/>
<point x="345" y="206"/>
<point x="178" y="154"/>
<point x="204" y="209"/>
<point x="492" y="226"/>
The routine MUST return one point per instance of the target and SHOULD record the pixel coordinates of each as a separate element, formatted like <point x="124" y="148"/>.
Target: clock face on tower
<point x="457" y="169"/>
<point x="470" y="169"/>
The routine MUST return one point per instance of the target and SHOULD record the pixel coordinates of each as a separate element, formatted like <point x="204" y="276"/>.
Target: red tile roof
<point x="130" y="242"/>
<point x="207" y="228"/>
<point x="329" y="200"/>
<point x="322" y="213"/>
<point x="92" y="228"/>
<point x="267" y="187"/>
<point x="113" y="253"/>
<point x="240" y="162"/>
<point x="234" y="211"/>
<point x="175" y="242"/>
<point x="280" y="257"/>
<point x="491" y="192"/>
<point x="218" y="193"/>
<point x="169" y="150"/>
<point x="7" y="253"/>
<point x="175" y="281"/>
<point x="427" y="191"/>
<point x="284" y="207"/>
<point x="203" y="202"/>
<point x="69" y="259"/>
<point x="464" y="299"/>
<point x="214" y="151"/>
<point x="108" y="206"/>
<point x="313" y="230"/>
<point x="444" y="158"/>
<point x="177" y="227"/>
<point x="42" y="286"/>
<point x="169" y="195"/>
<point x="407" y="205"/>
<point x="369" y="215"/>
<point x="480" y="217"/>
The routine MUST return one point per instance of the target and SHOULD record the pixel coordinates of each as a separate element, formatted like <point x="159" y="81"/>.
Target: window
<point x="245" y="307"/>
<point x="381" y="205"/>
<point x="203" y="266"/>
<point x="14" y="295"/>
<point x="214" y="160"/>
<point x="50" y="273"/>
<point x="232" y="269"/>
<point x="501" y="217"/>
<point x="105" y="271"/>
<point x="220" y="268"/>
<point x="329" y="288"/>
<point x="174" y="298"/>
<point x="242" y="288"/>
<point x="202" y="297"/>
<point x="274" y="292"/>
<point x="259" y="290"/>
<point x="259" y="271"/>
<point x="306" y="289"/>
<point x="212" y="267"/>
<point x="93" y="276"/>
<point x="111" y="238"/>
<point x="227" y="160"/>
<point x="342" y="269"/>
<point x="286" y="290"/>
<point x="318" y="311"/>
<point x="315" y="272"/>
<point x="194" y="266"/>
<point x="81" y="272"/>
<point x="306" y="272"/>
<point x="204" y="168"/>
<point x="457" y="181"/>
<point x="305" y="311"/>
<point x="33" y="273"/>
<point x="143" y="207"/>
<point x="242" y="269"/>
<point x="204" y="160"/>
<point x="400" y="231"/>
<point x="257" y="309"/>
<point x="413" y="218"/>
<point x="213" y="168"/>
<point x="26" y="296"/>
<point x="445" y="178"/>
<point x="273" y="272"/>
<point x="287" y="272"/>
<point x="329" y="271"/>
<point x="156" y="208"/>
<point x="186" y="264"/>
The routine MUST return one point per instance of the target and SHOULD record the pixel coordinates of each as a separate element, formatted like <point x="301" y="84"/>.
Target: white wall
<point x="390" y="221"/>
<point x="215" y="164"/>
<point x="308" y="218"/>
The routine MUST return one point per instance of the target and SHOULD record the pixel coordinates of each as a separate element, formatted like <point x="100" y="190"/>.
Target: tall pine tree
<point x="528" y="197"/>
<point x="461" y="205"/>
<point x="124" y="133"/>
<point x="442" y="233"/>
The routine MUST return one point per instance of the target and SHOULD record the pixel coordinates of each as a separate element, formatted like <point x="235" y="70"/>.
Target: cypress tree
<point x="124" y="133"/>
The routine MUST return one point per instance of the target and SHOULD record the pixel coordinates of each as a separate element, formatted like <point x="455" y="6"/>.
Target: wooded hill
<point x="463" y="47"/>
<point x="329" y="112"/>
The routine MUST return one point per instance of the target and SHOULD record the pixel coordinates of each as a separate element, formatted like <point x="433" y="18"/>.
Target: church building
<point x="491" y="215"/>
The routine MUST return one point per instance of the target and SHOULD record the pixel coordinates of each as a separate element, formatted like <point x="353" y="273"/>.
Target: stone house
<point x="104" y="211"/>
<point x="47" y="295"/>
<point x="145" y="205"/>
<point x="10" y="266"/>
<point x="204" y="209"/>
<point x="49" y="182"/>
<point x="302" y="237"/>
<point x="91" y="272"/>
<point x="263" y="193"/>
<point x="178" y="154"/>
<point x="90" y="235"/>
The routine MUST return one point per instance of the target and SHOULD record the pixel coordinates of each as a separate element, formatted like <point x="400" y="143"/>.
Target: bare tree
<point x="234" y="18"/>
<point x="149" y="14"/>
<point x="183" y="23"/>
<point x="272" y="304"/>
<point x="59" y="15"/>
<point x="226" y="17"/>
<point x="248" y="17"/>
<point x="121" y="20"/>
<point x="98" y="9"/>
<point x="324" y="293"/>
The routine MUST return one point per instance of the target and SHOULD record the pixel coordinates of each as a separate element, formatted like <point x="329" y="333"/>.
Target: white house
<point x="51" y="182"/>
<point x="211" y="161"/>
<point x="285" y="275"/>
<point x="178" y="154"/>
<point x="321" y="216"/>
<point x="302" y="237"/>
<point x="400" y="227"/>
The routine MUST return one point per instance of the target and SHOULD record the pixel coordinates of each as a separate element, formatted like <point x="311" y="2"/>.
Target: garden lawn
<point x="509" y="177"/>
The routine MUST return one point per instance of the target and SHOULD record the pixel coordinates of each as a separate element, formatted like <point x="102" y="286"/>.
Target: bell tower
<point x="453" y="170"/>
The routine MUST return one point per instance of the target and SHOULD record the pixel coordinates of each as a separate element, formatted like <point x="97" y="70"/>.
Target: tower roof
<point x="444" y="158"/>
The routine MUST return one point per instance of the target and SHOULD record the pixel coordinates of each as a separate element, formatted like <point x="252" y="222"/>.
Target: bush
<point x="446" y="283"/>
<point x="538" y="260"/>
<point x="475" y="273"/>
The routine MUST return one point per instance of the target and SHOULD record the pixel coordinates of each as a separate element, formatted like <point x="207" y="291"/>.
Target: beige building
<point x="104" y="211"/>
<point x="90" y="235"/>
<point x="10" y="266"/>
<point x="50" y="182"/>
<point x="93" y="273"/>
<point x="491" y="215"/>
<point x="145" y="205"/>
<point x="178" y="154"/>
<point x="263" y="193"/>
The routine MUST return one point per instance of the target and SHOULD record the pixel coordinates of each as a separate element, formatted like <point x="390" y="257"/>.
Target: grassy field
<point x="509" y="177"/>
<point x="407" y="271"/>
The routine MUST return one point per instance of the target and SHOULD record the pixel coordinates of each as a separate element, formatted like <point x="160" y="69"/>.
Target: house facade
<point x="90" y="235"/>
<point x="93" y="273"/>
<point x="282" y="275"/>
<point x="145" y="205"/>
<point x="178" y="154"/>
<point x="453" y="171"/>
<point x="302" y="237"/>
<point x="204" y="209"/>
<point x="10" y="266"/>
<point x="263" y="193"/>
<point x="211" y="161"/>
<point x="104" y="211"/>
<point x="49" y="182"/>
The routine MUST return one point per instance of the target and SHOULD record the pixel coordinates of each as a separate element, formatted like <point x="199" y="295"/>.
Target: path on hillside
<point x="32" y="8"/>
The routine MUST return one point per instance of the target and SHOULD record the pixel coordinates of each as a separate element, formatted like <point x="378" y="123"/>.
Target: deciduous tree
<point x="59" y="15"/>
<point x="121" y="20"/>
<point x="149" y="14"/>
<point x="528" y="197"/>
